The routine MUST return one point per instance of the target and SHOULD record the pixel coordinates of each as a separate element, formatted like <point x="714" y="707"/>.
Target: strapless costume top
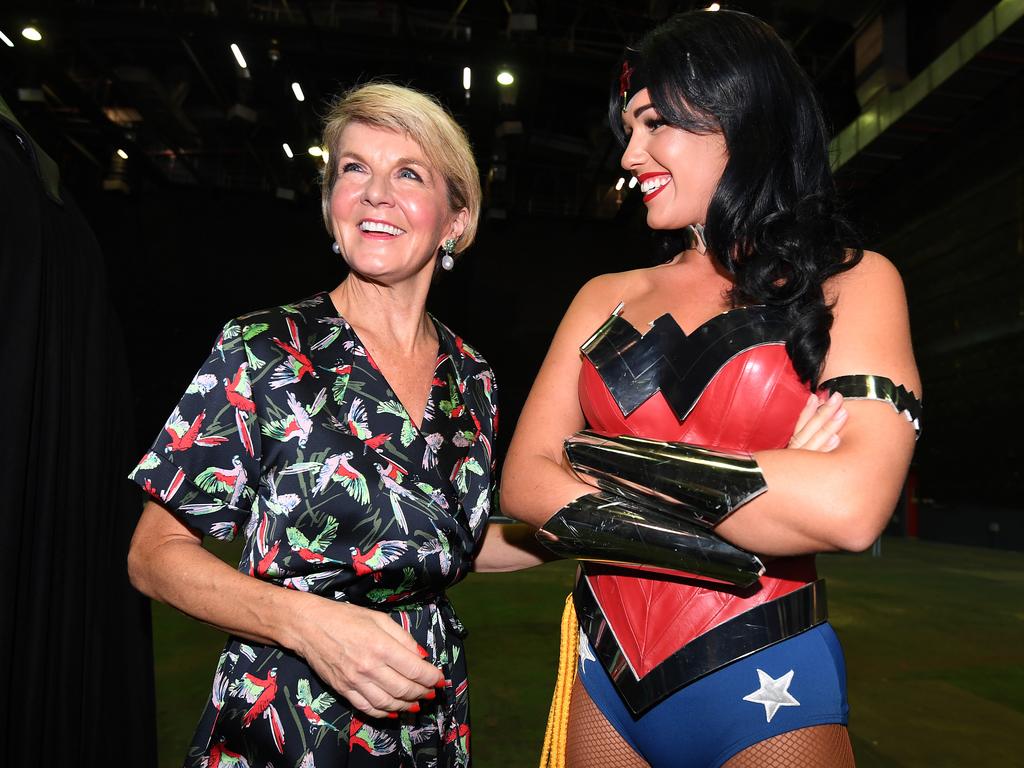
<point x="728" y="385"/>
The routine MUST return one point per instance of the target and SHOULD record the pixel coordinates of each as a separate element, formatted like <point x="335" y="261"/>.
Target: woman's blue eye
<point x="408" y="173"/>
<point x="350" y="167"/>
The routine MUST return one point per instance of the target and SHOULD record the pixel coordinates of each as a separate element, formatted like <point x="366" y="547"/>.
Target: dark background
<point x="208" y="218"/>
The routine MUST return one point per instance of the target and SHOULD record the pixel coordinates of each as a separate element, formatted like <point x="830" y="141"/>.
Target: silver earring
<point x="447" y="260"/>
<point x="335" y="247"/>
<point x="698" y="235"/>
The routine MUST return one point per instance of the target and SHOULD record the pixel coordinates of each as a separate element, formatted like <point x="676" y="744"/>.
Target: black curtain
<point x="76" y="679"/>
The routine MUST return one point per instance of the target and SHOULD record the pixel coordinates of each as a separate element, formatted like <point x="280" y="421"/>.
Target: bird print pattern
<point x="290" y="435"/>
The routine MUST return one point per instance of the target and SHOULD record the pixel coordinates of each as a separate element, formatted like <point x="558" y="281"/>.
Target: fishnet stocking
<point x="823" y="746"/>
<point x="592" y="742"/>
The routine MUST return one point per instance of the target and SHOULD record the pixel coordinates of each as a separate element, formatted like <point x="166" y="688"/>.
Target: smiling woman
<point x="696" y="438"/>
<point x="388" y="208"/>
<point x="349" y="436"/>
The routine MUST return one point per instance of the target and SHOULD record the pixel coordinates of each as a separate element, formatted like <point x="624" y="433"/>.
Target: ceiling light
<point x="620" y="183"/>
<point x="315" y="151"/>
<point x="632" y="181"/>
<point x="297" y="90"/>
<point x="122" y="154"/>
<point x="238" y="56"/>
<point x="505" y="77"/>
<point x="287" y="151"/>
<point x="7" y="40"/>
<point x="714" y="7"/>
<point x="467" y="77"/>
<point x="31" y="33"/>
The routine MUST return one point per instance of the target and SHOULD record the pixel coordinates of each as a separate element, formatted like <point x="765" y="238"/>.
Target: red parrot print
<point x="290" y="437"/>
<point x="259" y="692"/>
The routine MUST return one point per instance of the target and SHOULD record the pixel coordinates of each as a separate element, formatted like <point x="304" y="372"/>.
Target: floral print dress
<point x="290" y="434"/>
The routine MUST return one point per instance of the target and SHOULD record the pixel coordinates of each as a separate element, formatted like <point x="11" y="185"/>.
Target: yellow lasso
<point x="553" y="753"/>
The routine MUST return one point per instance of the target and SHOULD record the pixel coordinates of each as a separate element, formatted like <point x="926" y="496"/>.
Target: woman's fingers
<point x="820" y="432"/>
<point x="810" y="408"/>
<point x="826" y="438"/>
<point x="412" y="664"/>
<point x="360" y="702"/>
<point x="369" y="659"/>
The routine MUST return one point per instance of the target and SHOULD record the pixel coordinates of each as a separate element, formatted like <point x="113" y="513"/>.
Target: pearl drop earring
<point x="447" y="260"/>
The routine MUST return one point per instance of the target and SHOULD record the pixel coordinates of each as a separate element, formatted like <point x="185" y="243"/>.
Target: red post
<point x="910" y="505"/>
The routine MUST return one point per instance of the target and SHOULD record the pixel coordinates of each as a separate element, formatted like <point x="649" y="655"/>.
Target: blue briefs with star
<point x="798" y="683"/>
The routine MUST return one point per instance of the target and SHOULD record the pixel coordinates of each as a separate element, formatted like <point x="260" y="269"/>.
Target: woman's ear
<point x="458" y="225"/>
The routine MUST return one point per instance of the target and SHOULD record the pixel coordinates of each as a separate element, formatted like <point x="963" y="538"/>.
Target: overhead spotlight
<point x="122" y="154"/>
<point x="297" y="90"/>
<point x="315" y="151"/>
<point x="6" y="40"/>
<point x="713" y="7"/>
<point x="467" y="77"/>
<point x="620" y="183"/>
<point x="31" y="33"/>
<point x="287" y="151"/>
<point x="505" y="77"/>
<point x="238" y="56"/>
<point x="632" y="182"/>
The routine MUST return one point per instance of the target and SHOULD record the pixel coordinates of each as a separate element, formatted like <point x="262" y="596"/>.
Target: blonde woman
<point x="348" y="437"/>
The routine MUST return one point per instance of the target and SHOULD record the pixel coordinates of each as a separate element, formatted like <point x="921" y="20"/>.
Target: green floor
<point x="934" y="638"/>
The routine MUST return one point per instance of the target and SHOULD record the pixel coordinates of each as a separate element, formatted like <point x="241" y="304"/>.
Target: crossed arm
<point x="821" y="496"/>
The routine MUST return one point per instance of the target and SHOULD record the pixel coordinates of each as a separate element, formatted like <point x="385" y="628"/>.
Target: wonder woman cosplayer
<point x="671" y="424"/>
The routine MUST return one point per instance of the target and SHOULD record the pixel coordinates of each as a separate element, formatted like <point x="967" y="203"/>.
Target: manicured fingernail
<point x="430" y="695"/>
<point x="833" y="441"/>
<point x="841" y="414"/>
<point x="443" y="684"/>
<point x="392" y="715"/>
<point x="415" y="707"/>
<point x="422" y="651"/>
<point x="835" y="398"/>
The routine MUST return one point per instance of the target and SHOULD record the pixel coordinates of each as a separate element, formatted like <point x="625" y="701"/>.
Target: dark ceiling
<point x="158" y="81"/>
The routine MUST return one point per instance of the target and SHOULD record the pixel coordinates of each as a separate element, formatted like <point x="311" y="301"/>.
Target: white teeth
<point x="379" y="226"/>
<point x="652" y="184"/>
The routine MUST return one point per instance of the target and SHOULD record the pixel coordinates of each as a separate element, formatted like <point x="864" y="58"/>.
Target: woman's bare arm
<point x="820" y="496"/>
<point x="843" y="499"/>
<point x="510" y="547"/>
<point x="362" y="654"/>
<point x="536" y="482"/>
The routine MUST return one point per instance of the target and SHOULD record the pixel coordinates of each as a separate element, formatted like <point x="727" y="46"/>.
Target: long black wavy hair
<point x="774" y="221"/>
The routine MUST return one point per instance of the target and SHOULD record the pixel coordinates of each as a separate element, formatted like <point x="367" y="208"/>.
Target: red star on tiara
<point x="624" y="78"/>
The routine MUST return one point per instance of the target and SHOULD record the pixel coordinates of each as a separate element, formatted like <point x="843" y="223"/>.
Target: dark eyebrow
<point x="640" y="110"/>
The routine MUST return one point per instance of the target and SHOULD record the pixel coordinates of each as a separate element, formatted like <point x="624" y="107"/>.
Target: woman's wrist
<point x="286" y="617"/>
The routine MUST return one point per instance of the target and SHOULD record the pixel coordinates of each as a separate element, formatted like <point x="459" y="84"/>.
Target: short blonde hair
<point x="425" y="121"/>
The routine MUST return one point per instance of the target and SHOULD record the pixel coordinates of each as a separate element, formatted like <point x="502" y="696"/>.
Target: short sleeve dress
<point x="290" y="434"/>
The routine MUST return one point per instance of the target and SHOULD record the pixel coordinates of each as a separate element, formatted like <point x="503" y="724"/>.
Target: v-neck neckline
<point x="439" y="357"/>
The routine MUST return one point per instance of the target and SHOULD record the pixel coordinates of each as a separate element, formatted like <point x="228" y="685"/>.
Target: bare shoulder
<point x="593" y="304"/>
<point x="871" y="324"/>
<point x="872" y="279"/>
<point x="612" y="286"/>
<point x="599" y="296"/>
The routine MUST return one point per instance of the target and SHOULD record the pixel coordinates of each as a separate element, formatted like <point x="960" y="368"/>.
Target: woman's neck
<point x="392" y="315"/>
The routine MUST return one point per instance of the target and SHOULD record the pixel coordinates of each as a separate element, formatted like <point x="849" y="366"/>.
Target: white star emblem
<point x="773" y="693"/>
<point x="586" y="654"/>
